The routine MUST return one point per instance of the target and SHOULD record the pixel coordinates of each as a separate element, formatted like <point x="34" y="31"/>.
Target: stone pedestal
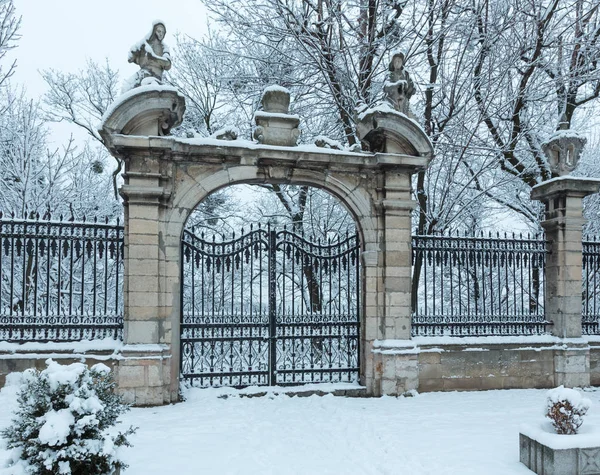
<point x="396" y="367"/>
<point x="572" y="365"/>
<point x="563" y="201"/>
<point x="144" y="375"/>
<point x="546" y="460"/>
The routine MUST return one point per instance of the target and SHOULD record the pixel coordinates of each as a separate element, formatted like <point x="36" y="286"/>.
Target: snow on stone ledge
<point x="395" y="347"/>
<point x="275" y="115"/>
<point x="252" y="145"/>
<point x="494" y="340"/>
<point x="544" y="433"/>
<point x="567" y="178"/>
<point x="82" y="346"/>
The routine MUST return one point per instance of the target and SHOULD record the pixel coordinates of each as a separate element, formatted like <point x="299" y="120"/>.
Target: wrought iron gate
<point x="269" y="308"/>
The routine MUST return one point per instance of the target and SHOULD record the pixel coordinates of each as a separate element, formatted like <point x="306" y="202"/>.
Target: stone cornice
<point x="212" y="151"/>
<point x="566" y="185"/>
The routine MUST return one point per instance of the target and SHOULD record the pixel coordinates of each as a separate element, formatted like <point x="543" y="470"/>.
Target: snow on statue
<point x="152" y="56"/>
<point x="399" y="88"/>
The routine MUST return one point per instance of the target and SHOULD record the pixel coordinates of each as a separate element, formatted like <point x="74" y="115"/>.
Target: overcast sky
<point x="62" y="34"/>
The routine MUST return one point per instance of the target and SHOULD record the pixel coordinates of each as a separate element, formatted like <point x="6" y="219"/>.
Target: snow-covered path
<point x="434" y="433"/>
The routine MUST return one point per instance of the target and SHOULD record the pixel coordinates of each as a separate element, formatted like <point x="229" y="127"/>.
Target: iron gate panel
<point x="269" y="307"/>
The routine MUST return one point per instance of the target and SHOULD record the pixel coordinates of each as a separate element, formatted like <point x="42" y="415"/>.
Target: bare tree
<point x="9" y="27"/>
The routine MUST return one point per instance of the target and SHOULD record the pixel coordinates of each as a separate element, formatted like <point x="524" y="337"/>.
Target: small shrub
<point x="62" y="422"/>
<point x="565" y="409"/>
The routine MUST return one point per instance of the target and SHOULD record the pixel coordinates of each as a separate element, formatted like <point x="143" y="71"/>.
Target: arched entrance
<point x="166" y="177"/>
<point x="270" y="304"/>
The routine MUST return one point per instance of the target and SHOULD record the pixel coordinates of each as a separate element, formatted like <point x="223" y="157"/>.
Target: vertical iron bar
<point x="272" y="306"/>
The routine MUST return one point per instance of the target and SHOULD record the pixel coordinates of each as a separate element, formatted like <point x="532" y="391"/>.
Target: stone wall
<point x="18" y="362"/>
<point x="476" y="367"/>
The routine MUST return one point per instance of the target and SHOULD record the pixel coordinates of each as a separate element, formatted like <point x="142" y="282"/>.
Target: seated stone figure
<point x="152" y="56"/>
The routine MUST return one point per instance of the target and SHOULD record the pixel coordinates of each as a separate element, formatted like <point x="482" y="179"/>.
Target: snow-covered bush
<point x="565" y="409"/>
<point x="63" y="420"/>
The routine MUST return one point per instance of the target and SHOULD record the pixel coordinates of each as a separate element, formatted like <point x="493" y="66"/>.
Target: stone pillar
<point x="144" y="373"/>
<point x="143" y="376"/>
<point x="563" y="201"/>
<point x="395" y="358"/>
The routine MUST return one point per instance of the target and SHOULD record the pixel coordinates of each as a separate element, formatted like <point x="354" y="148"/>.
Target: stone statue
<point x="399" y="88"/>
<point x="152" y="56"/>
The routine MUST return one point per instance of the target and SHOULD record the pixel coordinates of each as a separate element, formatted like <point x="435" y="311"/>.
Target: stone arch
<point x="196" y="188"/>
<point x="166" y="177"/>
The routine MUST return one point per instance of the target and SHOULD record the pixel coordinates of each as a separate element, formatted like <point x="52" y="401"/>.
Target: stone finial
<point x="274" y="124"/>
<point x="563" y="150"/>
<point x="399" y="87"/>
<point x="152" y="56"/>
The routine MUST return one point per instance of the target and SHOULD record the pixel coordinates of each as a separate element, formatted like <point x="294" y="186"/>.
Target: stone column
<point x="563" y="200"/>
<point x="395" y="357"/>
<point x="143" y="375"/>
<point x="144" y="372"/>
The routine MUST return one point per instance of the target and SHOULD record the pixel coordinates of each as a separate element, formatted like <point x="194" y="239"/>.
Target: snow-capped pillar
<point x="402" y="149"/>
<point x="144" y="374"/>
<point x="563" y="200"/>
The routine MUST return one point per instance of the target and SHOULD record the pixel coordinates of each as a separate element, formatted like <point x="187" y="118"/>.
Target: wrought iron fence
<point x="269" y="307"/>
<point x="477" y="285"/>
<point x="591" y="287"/>
<point x="60" y="280"/>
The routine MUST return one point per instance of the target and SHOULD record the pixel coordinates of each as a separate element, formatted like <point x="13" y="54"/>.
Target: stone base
<point x="545" y="460"/>
<point x="143" y="375"/>
<point x="572" y="365"/>
<point x="395" y="365"/>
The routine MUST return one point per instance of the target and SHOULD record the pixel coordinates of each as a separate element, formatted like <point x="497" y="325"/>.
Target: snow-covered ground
<point x="434" y="433"/>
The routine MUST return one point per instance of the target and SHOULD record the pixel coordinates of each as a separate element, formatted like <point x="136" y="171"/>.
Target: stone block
<point x="430" y="371"/>
<point x="399" y="297"/>
<point x="128" y="395"/>
<point x="147" y="396"/>
<point x="430" y="357"/>
<point x="388" y="387"/>
<point x="143" y="226"/>
<point x="389" y="367"/>
<point x="571" y="362"/>
<point x="143" y="283"/>
<point x="400" y="259"/>
<point x="462" y="384"/>
<point x="492" y="382"/>
<point x="430" y="385"/>
<point x="144" y="212"/>
<point x="142" y="251"/>
<point x="131" y="376"/>
<point x="545" y="460"/>
<point x="143" y="313"/>
<point x="139" y="331"/>
<point x="142" y="299"/>
<point x="372" y="329"/>
<point x="155" y="376"/>
<point x="572" y="380"/>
